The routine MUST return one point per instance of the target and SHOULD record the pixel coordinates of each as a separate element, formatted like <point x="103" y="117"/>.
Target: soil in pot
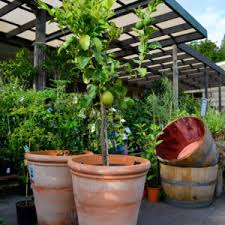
<point x="153" y="194"/>
<point x="52" y="187"/>
<point x="26" y="213"/>
<point x="109" y="195"/>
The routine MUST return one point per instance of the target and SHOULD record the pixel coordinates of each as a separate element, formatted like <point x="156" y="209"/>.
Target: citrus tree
<point x="92" y="34"/>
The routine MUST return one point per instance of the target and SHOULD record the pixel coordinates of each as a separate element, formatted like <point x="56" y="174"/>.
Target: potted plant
<point x="109" y="187"/>
<point x="147" y="138"/>
<point x="26" y="212"/>
<point x="50" y="120"/>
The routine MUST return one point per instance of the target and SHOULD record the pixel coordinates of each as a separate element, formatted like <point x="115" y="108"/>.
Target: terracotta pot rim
<point x="184" y="117"/>
<point x="93" y="170"/>
<point x="154" y="188"/>
<point x="50" y="156"/>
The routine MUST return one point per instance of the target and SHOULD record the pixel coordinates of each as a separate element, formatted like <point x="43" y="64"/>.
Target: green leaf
<point x="86" y="80"/>
<point x="154" y="45"/>
<point x="83" y="61"/>
<point x="98" y="56"/>
<point x="97" y="43"/>
<point x="92" y="90"/>
<point x="142" y="72"/>
<point x="142" y="48"/>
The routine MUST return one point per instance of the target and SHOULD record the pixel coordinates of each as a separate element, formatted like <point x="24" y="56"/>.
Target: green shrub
<point x="41" y="120"/>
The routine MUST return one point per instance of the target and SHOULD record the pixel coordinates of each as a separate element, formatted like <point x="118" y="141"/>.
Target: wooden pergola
<point x="23" y="24"/>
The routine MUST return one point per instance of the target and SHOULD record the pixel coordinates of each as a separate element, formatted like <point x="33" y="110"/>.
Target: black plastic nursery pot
<point x="26" y="213"/>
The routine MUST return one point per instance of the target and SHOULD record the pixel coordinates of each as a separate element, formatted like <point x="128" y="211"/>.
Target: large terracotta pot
<point x="52" y="187"/>
<point x="108" y="195"/>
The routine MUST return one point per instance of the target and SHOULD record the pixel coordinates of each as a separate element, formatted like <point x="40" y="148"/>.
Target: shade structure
<point x="173" y="23"/>
<point x="192" y="68"/>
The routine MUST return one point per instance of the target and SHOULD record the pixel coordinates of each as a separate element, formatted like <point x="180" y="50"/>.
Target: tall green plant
<point x="216" y="122"/>
<point x="147" y="138"/>
<point x="92" y="34"/>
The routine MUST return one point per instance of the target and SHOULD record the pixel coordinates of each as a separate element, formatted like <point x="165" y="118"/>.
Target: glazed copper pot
<point x="109" y="195"/>
<point x="52" y="187"/>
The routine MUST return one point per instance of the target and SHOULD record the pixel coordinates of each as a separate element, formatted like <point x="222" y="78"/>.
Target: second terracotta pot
<point x="109" y="195"/>
<point x="52" y="187"/>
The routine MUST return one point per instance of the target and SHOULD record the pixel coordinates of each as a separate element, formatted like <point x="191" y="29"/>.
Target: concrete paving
<point x="150" y="214"/>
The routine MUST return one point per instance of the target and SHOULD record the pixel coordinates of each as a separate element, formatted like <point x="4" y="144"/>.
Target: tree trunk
<point x="104" y="137"/>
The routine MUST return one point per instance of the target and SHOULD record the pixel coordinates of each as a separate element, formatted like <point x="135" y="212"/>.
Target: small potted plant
<point x="26" y="212"/>
<point x="153" y="181"/>
<point x="147" y="137"/>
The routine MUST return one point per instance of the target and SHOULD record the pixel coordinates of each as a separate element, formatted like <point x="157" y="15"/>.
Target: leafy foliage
<point x="145" y="30"/>
<point x="158" y="107"/>
<point x="59" y="66"/>
<point x="20" y="68"/>
<point x="210" y="50"/>
<point x="147" y="137"/>
<point x="39" y="121"/>
<point x="216" y="123"/>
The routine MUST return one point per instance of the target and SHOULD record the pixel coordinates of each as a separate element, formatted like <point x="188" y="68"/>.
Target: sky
<point x="210" y="14"/>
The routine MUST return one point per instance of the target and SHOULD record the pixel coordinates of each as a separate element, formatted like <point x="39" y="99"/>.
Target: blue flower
<point x="50" y="109"/>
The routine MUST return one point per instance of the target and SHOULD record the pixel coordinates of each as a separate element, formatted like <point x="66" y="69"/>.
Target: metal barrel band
<point x="192" y="184"/>
<point x="188" y="204"/>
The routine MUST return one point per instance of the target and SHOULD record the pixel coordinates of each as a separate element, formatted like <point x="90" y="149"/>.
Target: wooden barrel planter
<point x="187" y="142"/>
<point x="189" y="187"/>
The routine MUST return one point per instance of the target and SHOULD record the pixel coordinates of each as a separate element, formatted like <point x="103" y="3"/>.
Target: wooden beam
<point x="164" y="43"/>
<point x="192" y="52"/>
<point x="220" y="94"/>
<point x="39" y="56"/>
<point x="126" y="29"/>
<point x="16" y="41"/>
<point x="21" y="6"/>
<point x="175" y="78"/>
<point x="175" y="6"/>
<point x="21" y="29"/>
<point x="206" y="79"/>
<point x="11" y="6"/>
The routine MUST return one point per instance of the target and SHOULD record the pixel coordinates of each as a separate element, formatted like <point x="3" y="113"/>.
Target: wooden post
<point x="206" y="79"/>
<point x="39" y="56"/>
<point x="220" y="94"/>
<point x="175" y="78"/>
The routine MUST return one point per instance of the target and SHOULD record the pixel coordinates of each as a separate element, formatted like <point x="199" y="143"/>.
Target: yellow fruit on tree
<point x="107" y="98"/>
<point x="85" y="42"/>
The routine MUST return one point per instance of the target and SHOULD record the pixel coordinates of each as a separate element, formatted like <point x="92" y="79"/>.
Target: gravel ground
<point x="150" y="214"/>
